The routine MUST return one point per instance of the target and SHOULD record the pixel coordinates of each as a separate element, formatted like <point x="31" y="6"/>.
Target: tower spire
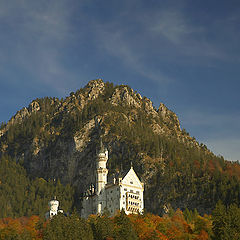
<point x="101" y="146"/>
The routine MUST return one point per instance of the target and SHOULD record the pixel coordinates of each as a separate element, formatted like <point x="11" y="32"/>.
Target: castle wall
<point x="113" y="195"/>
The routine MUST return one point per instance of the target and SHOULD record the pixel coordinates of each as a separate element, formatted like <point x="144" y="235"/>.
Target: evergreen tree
<point x="123" y="227"/>
<point x="226" y="222"/>
<point x="67" y="228"/>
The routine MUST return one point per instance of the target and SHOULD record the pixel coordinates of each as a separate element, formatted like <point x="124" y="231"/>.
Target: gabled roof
<point x="131" y="178"/>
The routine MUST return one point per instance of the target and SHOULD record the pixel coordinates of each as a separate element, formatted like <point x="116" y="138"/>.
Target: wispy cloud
<point x="122" y="45"/>
<point x="187" y="39"/>
<point x="35" y="36"/>
<point x="173" y="26"/>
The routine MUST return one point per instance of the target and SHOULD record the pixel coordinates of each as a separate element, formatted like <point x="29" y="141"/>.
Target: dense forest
<point x="22" y="196"/>
<point x="48" y="149"/>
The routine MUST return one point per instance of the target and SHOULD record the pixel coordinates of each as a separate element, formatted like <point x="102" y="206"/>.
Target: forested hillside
<point x="57" y="139"/>
<point x="22" y="196"/>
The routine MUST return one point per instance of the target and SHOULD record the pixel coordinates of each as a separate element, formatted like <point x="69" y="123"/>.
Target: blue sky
<point x="185" y="54"/>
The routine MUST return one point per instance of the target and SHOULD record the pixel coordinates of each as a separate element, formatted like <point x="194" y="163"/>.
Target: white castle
<point x="124" y="192"/>
<point x="53" y="208"/>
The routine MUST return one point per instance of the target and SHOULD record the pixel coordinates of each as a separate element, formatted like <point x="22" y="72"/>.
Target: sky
<point x="185" y="54"/>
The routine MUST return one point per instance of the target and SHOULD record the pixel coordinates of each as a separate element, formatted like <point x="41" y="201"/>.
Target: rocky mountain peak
<point x="163" y="110"/>
<point x="125" y="95"/>
<point x="94" y="88"/>
<point x="34" y="106"/>
<point x="148" y="106"/>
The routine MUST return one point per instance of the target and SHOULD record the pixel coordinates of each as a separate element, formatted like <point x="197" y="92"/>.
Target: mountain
<point x="57" y="139"/>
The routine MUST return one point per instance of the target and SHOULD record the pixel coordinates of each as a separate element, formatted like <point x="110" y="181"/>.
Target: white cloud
<point x="188" y="38"/>
<point x="173" y="26"/>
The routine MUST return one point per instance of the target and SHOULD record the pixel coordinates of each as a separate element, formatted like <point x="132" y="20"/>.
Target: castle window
<point x="131" y="182"/>
<point x="125" y="189"/>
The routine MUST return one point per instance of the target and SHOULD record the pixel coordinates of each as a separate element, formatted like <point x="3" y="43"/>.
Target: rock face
<point x="34" y="107"/>
<point x="20" y="116"/>
<point x="62" y="144"/>
<point x="169" y="116"/>
<point x="126" y="97"/>
<point x="94" y="88"/>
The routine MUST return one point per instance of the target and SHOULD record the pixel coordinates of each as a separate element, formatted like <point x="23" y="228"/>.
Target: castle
<point x="124" y="192"/>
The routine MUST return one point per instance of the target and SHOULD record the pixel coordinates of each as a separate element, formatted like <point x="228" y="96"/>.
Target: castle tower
<point x="101" y="178"/>
<point x="53" y="208"/>
<point x="102" y="171"/>
<point x="53" y="205"/>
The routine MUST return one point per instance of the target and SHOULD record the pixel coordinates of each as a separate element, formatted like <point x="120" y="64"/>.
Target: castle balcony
<point x="133" y="202"/>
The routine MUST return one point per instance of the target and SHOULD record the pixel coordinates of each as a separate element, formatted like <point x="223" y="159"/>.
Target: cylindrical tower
<point x="102" y="171"/>
<point x="53" y="208"/>
<point x="53" y="205"/>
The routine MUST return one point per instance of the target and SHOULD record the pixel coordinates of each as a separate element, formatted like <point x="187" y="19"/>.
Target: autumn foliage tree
<point x="20" y="228"/>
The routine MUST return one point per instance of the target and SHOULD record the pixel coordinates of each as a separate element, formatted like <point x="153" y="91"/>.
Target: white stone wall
<point x="131" y="199"/>
<point x="132" y="193"/>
